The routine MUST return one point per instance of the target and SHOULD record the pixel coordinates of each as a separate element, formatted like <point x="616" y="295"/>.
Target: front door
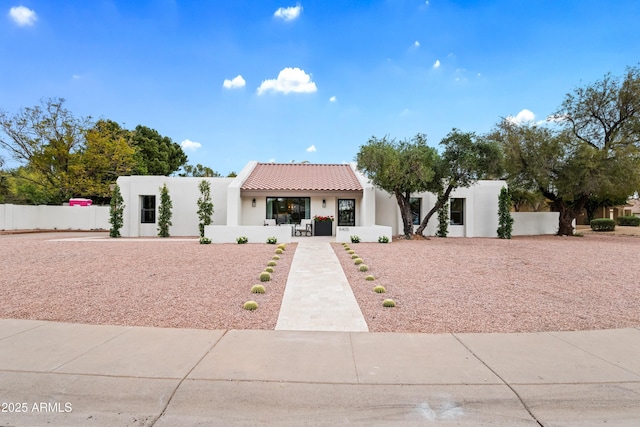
<point x="347" y="212"/>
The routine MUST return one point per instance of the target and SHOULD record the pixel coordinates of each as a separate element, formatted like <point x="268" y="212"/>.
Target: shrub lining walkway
<point x="318" y="296"/>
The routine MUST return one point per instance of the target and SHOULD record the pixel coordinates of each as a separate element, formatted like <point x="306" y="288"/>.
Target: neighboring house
<point x="633" y="208"/>
<point x="287" y="193"/>
<point x="612" y="212"/>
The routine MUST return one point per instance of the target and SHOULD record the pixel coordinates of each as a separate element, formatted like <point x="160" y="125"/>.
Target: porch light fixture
<point x="253" y="203"/>
<point x="324" y="203"/>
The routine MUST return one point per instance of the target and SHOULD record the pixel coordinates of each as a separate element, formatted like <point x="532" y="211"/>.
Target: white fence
<point x="42" y="217"/>
<point x="535" y="223"/>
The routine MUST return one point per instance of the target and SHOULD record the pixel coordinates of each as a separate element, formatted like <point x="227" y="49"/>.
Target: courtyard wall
<point x="44" y="217"/>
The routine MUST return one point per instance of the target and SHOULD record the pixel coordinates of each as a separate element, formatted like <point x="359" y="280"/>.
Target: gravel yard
<point x="439" y="285"/>
<point x="165" y="282"/>
<point x="526" y="284"/>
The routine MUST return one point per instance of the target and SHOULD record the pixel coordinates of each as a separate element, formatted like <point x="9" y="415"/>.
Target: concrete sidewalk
<point x="73" y="374"/>
<point x="318" y="296"/>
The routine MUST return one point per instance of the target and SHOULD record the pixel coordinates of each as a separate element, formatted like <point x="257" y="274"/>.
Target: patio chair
<point x="269" y="222"/>
<point x="304" y="227"/>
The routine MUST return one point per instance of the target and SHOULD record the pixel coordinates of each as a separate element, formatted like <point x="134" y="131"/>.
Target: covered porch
<point x="329" y="196"/>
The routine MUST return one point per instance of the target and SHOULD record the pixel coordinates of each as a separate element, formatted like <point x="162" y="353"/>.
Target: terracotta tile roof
<point x="302" y="177"/>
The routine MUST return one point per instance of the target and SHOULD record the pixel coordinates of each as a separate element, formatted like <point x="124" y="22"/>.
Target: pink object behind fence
<point x="80" y="202"/>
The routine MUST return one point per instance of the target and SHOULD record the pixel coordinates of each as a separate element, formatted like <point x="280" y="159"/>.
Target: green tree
<point x="105" y="156"/>
<point x="156" y="154"/>
<point x="4" y="185"/>
<point x="116" y="212"/>
<point x="205" y="206"/>
<point x="164" y="212"/>
<point x="505" y="220"/>
<point x="45" y="141"/>
<point x="198" y="171"/>
<point x="521" y="197"/>
<point x="596" y="202"/>
<point x="593" y="151"/>
<point x="466" y="158"/>
<point x="400" y="168"/>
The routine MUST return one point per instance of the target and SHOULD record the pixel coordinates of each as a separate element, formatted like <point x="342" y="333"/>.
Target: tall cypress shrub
<point x="205" y="206"/>
<point x="443" y="219"/>
<point x="505" y="220"/>
<point x="164" y="212"/>
<point x="116" y="212"/>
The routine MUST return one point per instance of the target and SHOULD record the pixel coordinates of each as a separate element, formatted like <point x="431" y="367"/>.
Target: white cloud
<point x="524" y="116"/>
<point x="272" y="160"/>
<point x="311" y="149"/>
<point x="416" y="43"/>
<point x="75" y="76"/>
<point x="436" y="64"/>
<point x="333" y="99"/>
<point x="288" y="13"/>
<point x="190" y="145"/>
<point x="289" y="80"/>
<point x="23" y="16"/>
<point x="234" y="83"/>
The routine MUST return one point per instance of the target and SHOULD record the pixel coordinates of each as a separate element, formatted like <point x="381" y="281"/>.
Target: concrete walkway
<point x="318" y="296"/>
<point x="81" y="375"/>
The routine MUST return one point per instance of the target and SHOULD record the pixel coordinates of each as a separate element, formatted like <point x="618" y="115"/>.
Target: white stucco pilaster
<point x="234" y="200"/>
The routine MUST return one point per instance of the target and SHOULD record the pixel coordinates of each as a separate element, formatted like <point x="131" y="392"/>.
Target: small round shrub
<point x="282" y="246"/>
<point x="355" y="239"/>
<point x="272" y="263"/>
<point x="279" y="251"/>
<point x="370" y="278"/>
<point x="629" y="221"/>
<point x="379" y="289"/>
<point x="250" y="305"/>
<point x="603" y="224"/>
<point x="272" y="240"/>
<point x="363" y="267"/>
<point x="347" y="248"/>
<point x="383" y="239"/>
<point x="265" y="276"/>
<point x="269" y="269"/>
<point x="351" y="252"/>
<point x="354" y="256"/>
<point x="388" y="303"/>
<point x="205" y="241"/>
<point x="276" y="257"/>
<point x="358" y="261"/>
<point x="257" y="289"/>
<point x="242" y="240"/>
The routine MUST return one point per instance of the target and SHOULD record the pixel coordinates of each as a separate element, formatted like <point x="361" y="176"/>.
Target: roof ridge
<point x="303" y="164"/>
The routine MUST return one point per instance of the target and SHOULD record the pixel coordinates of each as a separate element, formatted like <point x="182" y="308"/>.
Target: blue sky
<point x="317" y="78"/>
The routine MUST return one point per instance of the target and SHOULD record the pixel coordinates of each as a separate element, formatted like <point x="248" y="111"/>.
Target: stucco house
<point x="285" y="194"/>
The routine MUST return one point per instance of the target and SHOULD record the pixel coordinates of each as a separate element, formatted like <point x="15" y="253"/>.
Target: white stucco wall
<point x="366" y="233"/>
<point x="535" y="223"/>
<point x="42" y="217"/>
<point x="480" y="210"/>
<point x="366" y="206"/>
<point x="184" y="194"/>
<point x="235" y="205"/>
<point x="255" y="233"/>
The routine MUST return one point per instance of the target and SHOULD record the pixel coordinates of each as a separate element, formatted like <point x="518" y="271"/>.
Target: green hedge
<point x="603" y="224"/>
<point x="630" y="220"/>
